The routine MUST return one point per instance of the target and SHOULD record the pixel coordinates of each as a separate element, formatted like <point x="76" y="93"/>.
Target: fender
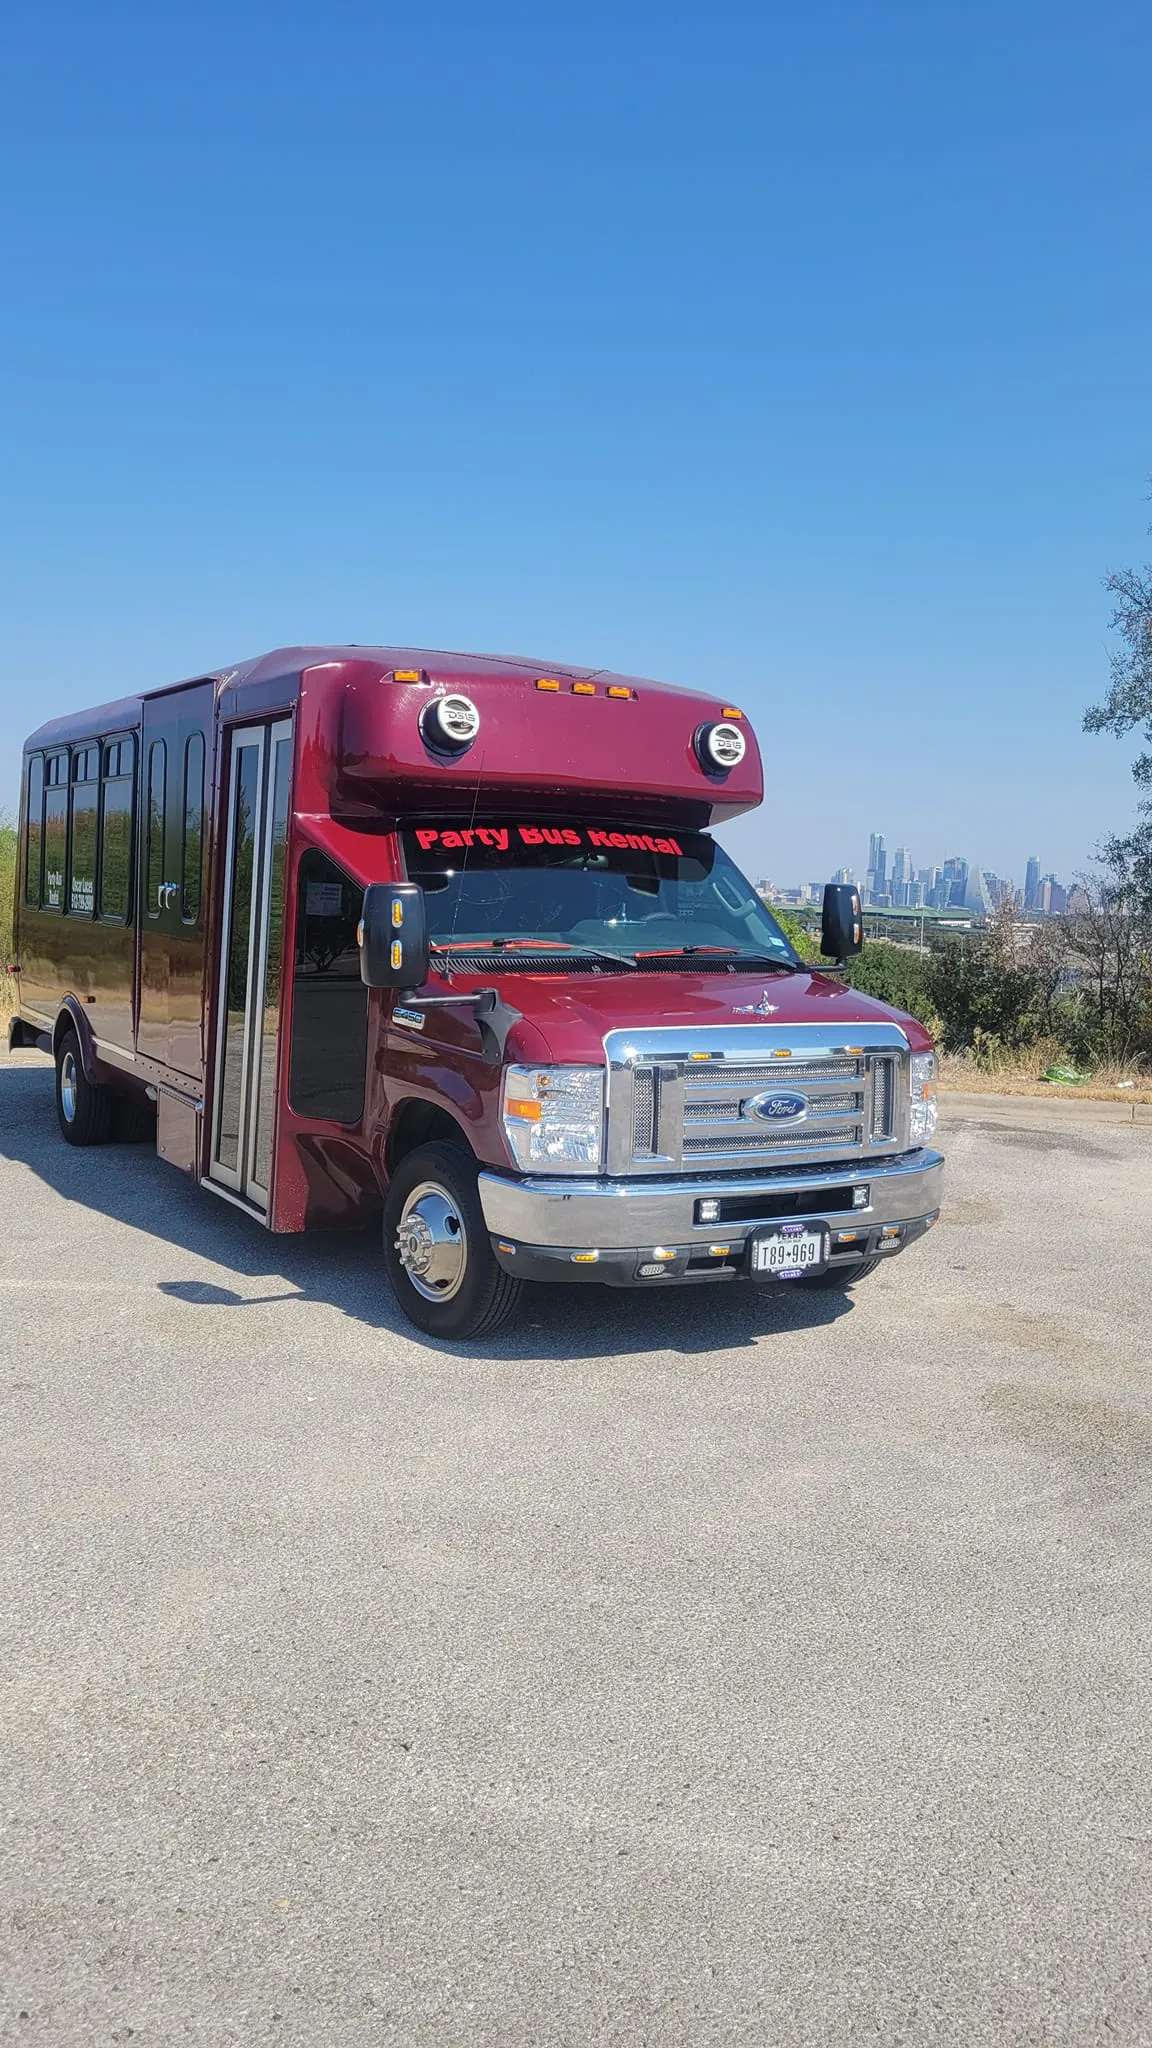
<point x="71" y="1012"/>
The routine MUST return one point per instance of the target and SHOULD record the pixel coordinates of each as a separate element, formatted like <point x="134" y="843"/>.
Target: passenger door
<point x="259" y="772"/>
<point x="176" y="748"/>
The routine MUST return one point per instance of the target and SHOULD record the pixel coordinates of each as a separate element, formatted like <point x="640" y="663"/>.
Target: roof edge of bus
<point x="88" y="720"/>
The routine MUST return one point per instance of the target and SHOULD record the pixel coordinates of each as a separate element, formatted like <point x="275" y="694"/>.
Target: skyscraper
<point x="1031" y="881"/>
<point x="956" y="880"/>
<point x="877" y="882"/>
<point x="976" y="893"/>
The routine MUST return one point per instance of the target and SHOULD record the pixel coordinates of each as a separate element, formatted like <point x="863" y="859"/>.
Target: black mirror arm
<point x="494" y="1017"/>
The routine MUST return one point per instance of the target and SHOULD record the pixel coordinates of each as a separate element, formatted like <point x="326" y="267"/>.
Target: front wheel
<point x="436" y="1247"/>
<point x="841" y="1276"/>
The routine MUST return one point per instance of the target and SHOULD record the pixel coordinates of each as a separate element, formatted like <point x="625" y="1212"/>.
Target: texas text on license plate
<point x="792" y="1249"/>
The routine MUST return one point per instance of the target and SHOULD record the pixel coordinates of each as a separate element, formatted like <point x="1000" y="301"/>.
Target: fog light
<point x="651" y="1271"/>
<point x="859" y="1198"/>
<point x="707" y="1212"/>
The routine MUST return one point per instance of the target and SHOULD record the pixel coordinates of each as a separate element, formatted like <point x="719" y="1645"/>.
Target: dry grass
<point x="1023" y="1074"/>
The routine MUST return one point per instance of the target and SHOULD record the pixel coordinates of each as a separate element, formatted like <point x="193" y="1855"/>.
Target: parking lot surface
<point x="754" y="1665"/>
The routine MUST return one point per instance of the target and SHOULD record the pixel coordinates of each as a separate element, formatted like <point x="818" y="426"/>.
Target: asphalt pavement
<point x="750" y="1665"/>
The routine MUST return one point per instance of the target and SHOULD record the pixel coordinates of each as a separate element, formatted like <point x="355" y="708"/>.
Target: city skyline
<point x="954" y="882"/>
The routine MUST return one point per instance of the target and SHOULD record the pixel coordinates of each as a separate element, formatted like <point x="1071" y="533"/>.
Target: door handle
<point x="164" y="893"/>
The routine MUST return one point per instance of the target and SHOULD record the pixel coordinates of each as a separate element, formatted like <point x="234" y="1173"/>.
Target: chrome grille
<point x="883" y="1099"/>
<point x="774" y="1074"/>
<point x="803" y="1138"/>
<point x="675" y="1095"/>
<point x="643" y="1109"/>
<point x="720" y="1111"/>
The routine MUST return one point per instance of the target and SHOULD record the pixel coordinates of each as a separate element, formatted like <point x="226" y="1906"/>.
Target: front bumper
<point x="546" y="1229"/>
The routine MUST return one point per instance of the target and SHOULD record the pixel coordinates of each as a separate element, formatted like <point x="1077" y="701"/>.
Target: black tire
<point x="841" y="1276"/>
<point x="84" y="1111"/>
<point x="477" y="1295"/>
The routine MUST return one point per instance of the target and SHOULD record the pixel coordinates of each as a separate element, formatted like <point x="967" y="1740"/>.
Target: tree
<point x="1127" y="705"/>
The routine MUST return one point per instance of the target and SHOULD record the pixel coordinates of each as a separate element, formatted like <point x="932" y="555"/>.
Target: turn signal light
<point x="528" y="1112"/>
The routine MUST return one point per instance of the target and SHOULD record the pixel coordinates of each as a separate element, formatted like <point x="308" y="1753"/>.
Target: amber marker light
<point x="617" y="690"/>
<point x="397" y="911"/>
<point x="528" y="1112"/>
<point x="547" y="683"/>
<point x="583" y="689"/>
<point x="405" y="675"/>
<point x="397" y="955"/>
<point x="730" y="711"/>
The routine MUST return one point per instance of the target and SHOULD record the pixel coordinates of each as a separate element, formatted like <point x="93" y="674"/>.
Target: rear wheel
<point x="841" y="1276"/>
<point x="84" y="1110"/>
<point x="436" y="1248"/>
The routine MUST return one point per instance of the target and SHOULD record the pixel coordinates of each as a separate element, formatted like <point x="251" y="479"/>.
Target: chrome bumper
<point x="615" y="1215"/>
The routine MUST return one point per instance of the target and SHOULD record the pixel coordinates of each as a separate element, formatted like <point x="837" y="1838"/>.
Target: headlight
<point x="924" y="1111"/>
<point x="554" y="1116"/>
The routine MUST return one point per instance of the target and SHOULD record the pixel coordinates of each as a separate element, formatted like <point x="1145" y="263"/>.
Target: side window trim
<point x="154" y="824"/>
<point x="192" y="834"/>
<point x="116" y="776"/>
<point x="33" y="895"/>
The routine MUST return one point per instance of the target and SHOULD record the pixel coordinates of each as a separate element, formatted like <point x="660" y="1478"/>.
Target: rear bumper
<point x="638" y="1215"/>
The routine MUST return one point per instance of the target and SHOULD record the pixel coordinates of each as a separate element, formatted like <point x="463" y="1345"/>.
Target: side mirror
<point x="842" y="925"/>
<point x="393" y="936"/>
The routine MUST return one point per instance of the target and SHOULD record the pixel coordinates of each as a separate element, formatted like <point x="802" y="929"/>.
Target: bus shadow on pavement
<point x="129" y="1185"/>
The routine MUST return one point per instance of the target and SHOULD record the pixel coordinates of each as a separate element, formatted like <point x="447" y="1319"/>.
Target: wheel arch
<point x="70" y="1017"/>
<point x="417" y="1123"/>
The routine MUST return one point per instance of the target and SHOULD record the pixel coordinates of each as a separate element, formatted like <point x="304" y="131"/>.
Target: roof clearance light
<point x="547" y="683"/>
<point x="730" y="711"/>
<point x="450" y="724"/>
<point x="720" y="747"/>
<point x="409" y="675"/>
<point x="583" y="689"/>
<point x="618" y="690"/>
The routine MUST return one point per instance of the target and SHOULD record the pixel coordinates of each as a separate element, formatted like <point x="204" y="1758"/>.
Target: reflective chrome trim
<point x="616" y="1214"/>
<point x="679" y="1067"/>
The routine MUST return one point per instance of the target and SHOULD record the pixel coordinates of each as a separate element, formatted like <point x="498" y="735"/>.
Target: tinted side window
<point x="55" y="830"/>
<point x="192" y="831"/>
<point x="114" y="893"/>
<point x="34" y="831"/>
<point x="82" y="863"/>
<point x="329" y="1000"/>
<point x="154" y="826"/>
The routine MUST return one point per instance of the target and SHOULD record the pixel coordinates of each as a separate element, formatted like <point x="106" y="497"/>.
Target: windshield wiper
<point x="527" y="953"/>
<point x="726" y="954"/>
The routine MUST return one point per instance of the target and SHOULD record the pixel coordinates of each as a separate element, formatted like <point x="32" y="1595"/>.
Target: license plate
<point x="785" y="1252"/>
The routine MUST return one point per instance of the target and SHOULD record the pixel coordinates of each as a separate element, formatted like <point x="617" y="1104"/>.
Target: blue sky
<point x="803" y="351"/>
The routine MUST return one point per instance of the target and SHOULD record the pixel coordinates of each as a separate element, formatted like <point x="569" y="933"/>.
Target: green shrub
<point x="898" y="975"/>
<point x="7" y="883"/>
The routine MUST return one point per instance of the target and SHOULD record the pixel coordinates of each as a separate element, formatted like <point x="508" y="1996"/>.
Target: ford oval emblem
<point x="776" y="1109"/>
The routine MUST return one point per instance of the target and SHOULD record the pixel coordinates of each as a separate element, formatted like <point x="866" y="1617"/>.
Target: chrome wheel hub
<point x="68" y="1087"/>
<point x="432" y="1243"/>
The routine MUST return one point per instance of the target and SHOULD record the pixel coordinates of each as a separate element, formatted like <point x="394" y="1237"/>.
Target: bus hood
<point x="566" y="1018"/>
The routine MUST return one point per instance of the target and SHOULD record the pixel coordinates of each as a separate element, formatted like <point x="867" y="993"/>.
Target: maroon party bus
<point x="445" y="939"/>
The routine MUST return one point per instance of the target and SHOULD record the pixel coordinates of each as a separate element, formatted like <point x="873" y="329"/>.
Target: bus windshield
<point x="611" y="891"/>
